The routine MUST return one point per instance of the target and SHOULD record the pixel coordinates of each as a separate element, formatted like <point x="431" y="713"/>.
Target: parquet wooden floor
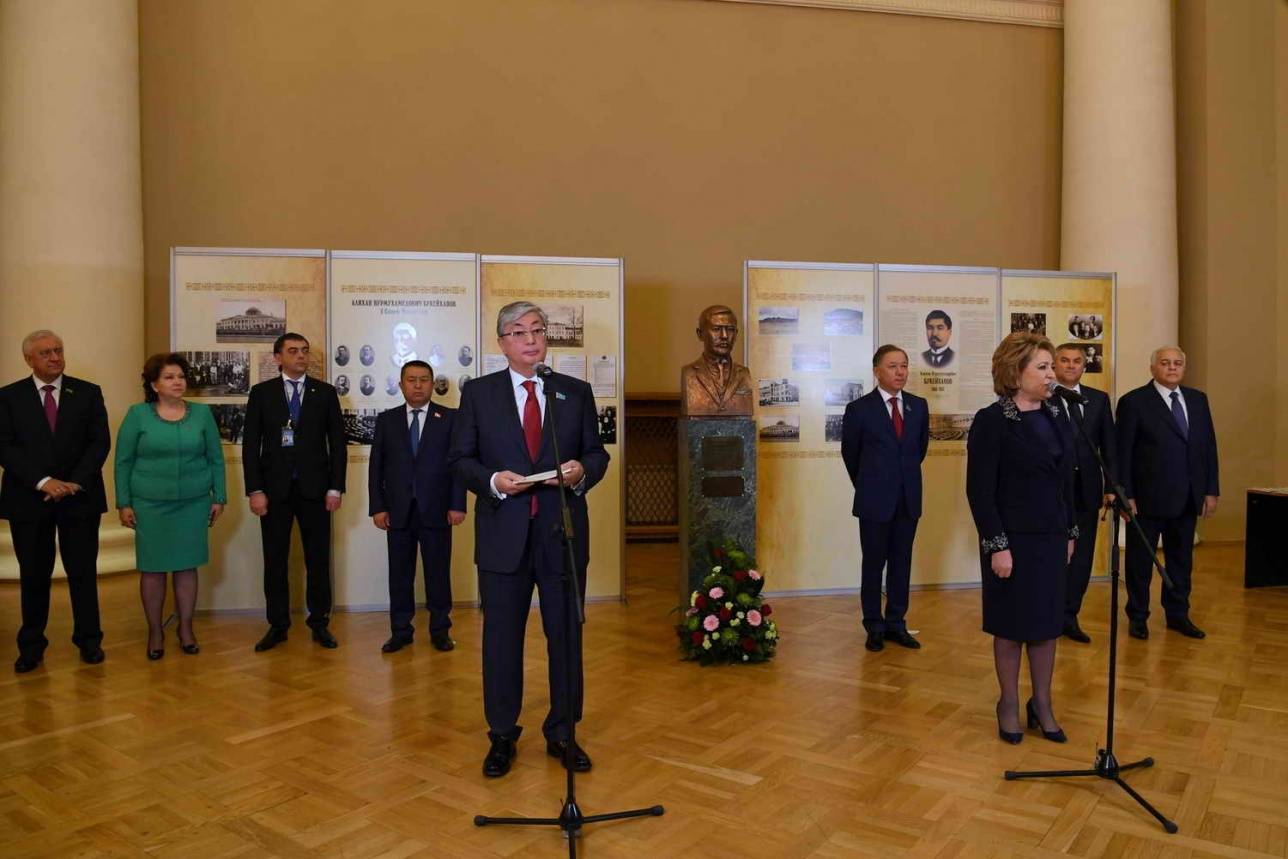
<point x="826" y="752"/>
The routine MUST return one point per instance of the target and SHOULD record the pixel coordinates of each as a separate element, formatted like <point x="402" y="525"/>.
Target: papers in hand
<point x="537" y="478"/>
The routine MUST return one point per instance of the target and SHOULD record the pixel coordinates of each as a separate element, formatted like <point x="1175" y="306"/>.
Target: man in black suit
<point x="1168" y="467"/>
<point x="1088" y="483"/>
<point x="884" y="438"/>
<point x="501" y="435"/>
<point x="53" y="443"/>
<point x="939" y="330"/>
<point x="415" y="498"/>
<point x="293" y="459"/>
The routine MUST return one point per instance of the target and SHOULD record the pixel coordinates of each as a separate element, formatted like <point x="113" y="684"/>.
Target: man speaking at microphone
<point x="501" y="437"/>
<point x="1089" y="490"/>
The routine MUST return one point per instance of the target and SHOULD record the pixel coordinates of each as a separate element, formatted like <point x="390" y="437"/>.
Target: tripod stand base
<point x="570" y="819"/>
<point x="1106" y="767"/>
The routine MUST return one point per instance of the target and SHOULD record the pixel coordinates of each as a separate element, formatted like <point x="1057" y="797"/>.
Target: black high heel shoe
<point x="190" y="649"/>
<point x="1056" y="736"/>
<point x="1007" y="736"/>
<point x="154" y="655"/>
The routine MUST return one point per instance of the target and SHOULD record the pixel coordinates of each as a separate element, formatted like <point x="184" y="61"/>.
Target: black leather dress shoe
<point x="903" y="638"/>
<point x="875" y="642"/>
<point x="1137" y="629"/>
<point x="1074" y="632"/>
<point x="275" y="636"/>
<point x="395" y="644"/>
<point x="499" y="757"/>
<point x="92" y="655"/>
<point x="1185" y="627"/>
<point x="443" y="642"/>
<point x="23" y="664"/>
<point x="580" y="760"/>
<point x="323" y="636"/>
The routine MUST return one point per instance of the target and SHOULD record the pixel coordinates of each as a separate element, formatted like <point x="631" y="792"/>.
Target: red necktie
<point x="532" y="433"/>
<point x="896" y="417"/>
<point x="51" y="407"/>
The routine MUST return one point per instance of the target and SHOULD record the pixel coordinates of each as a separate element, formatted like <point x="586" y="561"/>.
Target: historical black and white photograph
<point x="359" y="425"/>
<point x="367" y="385"/>
<point x="778" y="320"/>
<point x="811" y="357"/>
<point x="839" y="392"/>
<point x="404" y="345"/>
<point x="342" y="385"/>
<point x="218" y="374"/>
<point x="460" y="383"/>
<point x="843" y="322"/>
<point x="779" y="392"/>
<point x="1087" y="326"/>
<point x="441" y="386"/>
<point x="950" y="427"/>
<point x="779" y="428"/>
<point x="342" y="355"/>
<point x="230" y="418"/>
<point x="391" y="385"/>
<point x="565" y="326"/>
<point x="465" y="356"/>
<point x="257" y="320"/>
<point x="1033" y="323"/>
<point x="367" y="355"/>
<point x="608" y="424"/>
<point x="1095" y="359"/>
<point x="832" y="425"/>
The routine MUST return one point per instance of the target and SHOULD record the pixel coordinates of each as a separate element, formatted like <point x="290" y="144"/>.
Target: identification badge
<point x="288" y="436"/>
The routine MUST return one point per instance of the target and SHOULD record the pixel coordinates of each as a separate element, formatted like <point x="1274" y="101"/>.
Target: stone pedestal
<point x="717" y="466"/>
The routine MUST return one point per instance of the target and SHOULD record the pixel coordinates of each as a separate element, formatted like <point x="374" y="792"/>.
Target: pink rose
<point x="691" y="612"/>
<point x="753" y="617"/>
<point x="717" y="592"/>
<point x="711" y="623"/>
<point x="755" y="576"/>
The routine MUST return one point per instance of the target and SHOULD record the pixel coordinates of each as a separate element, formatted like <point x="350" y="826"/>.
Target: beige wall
<point x="1232" y="84"/>
<point x="683" y="135"/>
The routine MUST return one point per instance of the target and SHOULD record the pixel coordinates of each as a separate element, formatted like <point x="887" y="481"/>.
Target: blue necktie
<point x="1179" y="414"/>
<point x="415" y="432"/>
<point x="294" y="405"/>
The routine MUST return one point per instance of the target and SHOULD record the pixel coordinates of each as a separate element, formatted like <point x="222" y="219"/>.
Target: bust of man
<point x="715" y="384"/>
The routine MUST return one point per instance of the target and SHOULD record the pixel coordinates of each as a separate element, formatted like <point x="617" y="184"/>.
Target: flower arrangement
<point x="726" y="620"/>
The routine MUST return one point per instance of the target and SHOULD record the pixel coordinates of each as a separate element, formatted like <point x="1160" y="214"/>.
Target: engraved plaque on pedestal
<point x="717" y="465"/>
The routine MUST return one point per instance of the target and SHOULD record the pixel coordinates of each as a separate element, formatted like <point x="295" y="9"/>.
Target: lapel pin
<point x="559" y="396"/>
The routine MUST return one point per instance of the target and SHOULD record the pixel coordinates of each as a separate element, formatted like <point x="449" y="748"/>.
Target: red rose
<point x="766" y="609"/>
<point x="740" y="575"/>
<point x="719" y="553"/>
<point x="696" y="637"/>
<point x="748" y="644"/>
<point x="701" y="602"/>
<point x="725" y="614"/>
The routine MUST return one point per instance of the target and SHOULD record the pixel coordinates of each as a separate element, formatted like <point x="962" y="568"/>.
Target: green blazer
<point x="169" y="460"/>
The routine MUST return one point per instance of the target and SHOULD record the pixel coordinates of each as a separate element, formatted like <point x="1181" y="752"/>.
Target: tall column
<point x="71" y="212"/>
<point x="1119" y="188"/>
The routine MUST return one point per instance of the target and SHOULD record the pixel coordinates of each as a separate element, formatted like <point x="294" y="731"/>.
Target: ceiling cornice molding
<point x="1029" y="13"/>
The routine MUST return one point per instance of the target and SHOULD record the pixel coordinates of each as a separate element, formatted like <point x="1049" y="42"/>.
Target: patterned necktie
<point x="1178" y="413"/>
<point x="532" y="432"/>
<point x="415" y="432"/>
<point x="897" y="417"/>
<point x="51" y="407"/>
<point x="294" y="405"/>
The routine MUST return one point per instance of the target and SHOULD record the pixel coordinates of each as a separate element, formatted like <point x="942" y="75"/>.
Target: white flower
<point x="741" y="614"/>
<point x="745" y="657"/>
<point x="715" y="569"/>
<point x="729" y="605"/>
<point x="693" y="598"/>
<point x="734" y="622"/>
<point x="706" y="644"/>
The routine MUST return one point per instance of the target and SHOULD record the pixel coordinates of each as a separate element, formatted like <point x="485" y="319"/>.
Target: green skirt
<point x="171" y="535"/>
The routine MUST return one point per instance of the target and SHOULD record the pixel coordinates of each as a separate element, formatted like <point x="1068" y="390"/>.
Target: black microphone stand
<point x="1107" y="765"/>
<point x="570" y="819"/>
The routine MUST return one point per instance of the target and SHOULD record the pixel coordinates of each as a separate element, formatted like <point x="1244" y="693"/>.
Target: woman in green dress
<point x="170" y="489"/>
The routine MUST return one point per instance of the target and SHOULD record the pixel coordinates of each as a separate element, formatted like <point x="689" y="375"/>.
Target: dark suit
<point x="945" y="357"/>
<point x="74" y="453"/>
<point x="514" y="550"/>
<point x="296" y="480"/>
<point x="1167" y="473"/>
<point x="416" y="492"/>
<point x="886" y="473"/>
<point x="1088" y="490"/>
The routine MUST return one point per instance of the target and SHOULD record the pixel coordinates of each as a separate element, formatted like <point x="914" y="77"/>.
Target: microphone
<point x="543" y="370"/>
<point x="1067" y="395"/>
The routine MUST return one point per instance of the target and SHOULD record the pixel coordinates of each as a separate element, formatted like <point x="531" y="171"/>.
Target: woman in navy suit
<point x="1019" y="481"/>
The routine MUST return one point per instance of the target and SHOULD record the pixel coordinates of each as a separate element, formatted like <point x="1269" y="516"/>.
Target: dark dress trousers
<point x="514" y="550"/>
<point x="1088" y="489"/>
<point x="1019" y="482"/>
<point x="886" y="473"/>
<point x="416" y="491"/>
<point x="74" y="452"/>
<point x="296" y="480"/>
<point x="1167" y="472"/>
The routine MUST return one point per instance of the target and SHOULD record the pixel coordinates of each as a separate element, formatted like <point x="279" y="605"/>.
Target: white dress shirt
<point x="289" y="390"/>
<point x="57" y="393"/>
<point x="520" y="402"/>
<point x="885" y="399"/>
<point x="424" y="413"/>
<point x="1069" y="407"/>
<point x="1166" y="394"/>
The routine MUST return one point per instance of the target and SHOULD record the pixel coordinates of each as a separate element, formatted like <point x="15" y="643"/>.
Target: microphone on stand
<point x="543" y="370"/>
<point x="1064" y="393"/>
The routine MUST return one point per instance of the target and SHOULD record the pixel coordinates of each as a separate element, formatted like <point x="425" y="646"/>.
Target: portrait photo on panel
<point x="779" y="392"/>
<point x="1095" y="359"/>
<point x="256" y="320"/>
<point x="404" y="344"/>
<point x="367" y="355"/>
<point x="441" y="385"/>
<point x="460" y="383"/>
<point x="775" y="428"/>
<point x="218" y="374"/>
<point x="465" y="356"/>
<point x="342" y="355"/>
<point x="391" y="385"/>
<point x="771" y="321"/>
<point x="939" y="336"/>
<point x="607" y="424"/>
<point x="1087" y="326"/>
<point x="367" y="385"/>
<point x="342" y="385"/>
<point x="843" y="322"/>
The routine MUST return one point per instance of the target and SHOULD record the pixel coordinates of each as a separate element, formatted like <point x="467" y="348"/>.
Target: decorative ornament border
<point x="1028" y="13"/>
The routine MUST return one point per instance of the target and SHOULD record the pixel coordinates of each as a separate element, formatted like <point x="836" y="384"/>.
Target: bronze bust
<point x="715" y="384"/>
